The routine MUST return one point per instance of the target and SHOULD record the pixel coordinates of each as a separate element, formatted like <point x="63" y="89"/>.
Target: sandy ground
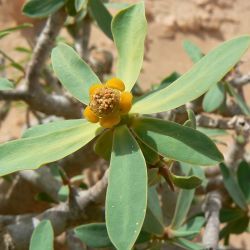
<point x="205" y="22"/>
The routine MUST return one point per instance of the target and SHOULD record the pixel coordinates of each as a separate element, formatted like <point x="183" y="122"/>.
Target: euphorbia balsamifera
<point x="134" y="136"/>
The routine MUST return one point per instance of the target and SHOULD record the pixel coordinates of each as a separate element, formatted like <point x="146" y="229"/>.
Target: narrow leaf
<point x="5" y="84"/>
<point x="42" y="237"/>
<point x="214" y="97"/>
<point x="102" y="16"/>
<point x="193" y="51"/>
<point x="79" y="4"/>
<point x="8" y="31"/>
<point x="235" y="227"/>
<point x="103" y="145"/>
<point x="204" y="74"/>
<point x="126" y="199"/>
<point x="186" y="182"/>
<point x="177" y="142"/>
<point x="153" y="222"/>
<point x="233" y="187"/>
<point x="211" y="132"/>
<point x="231" y="214"/>
<point x="94" y="235"/>
<point x="183" y="205"/>
<point x="75" y="75"/>
<point x="129" y="28"/>
<point x="243" y="174"/>
<point x="191" y="228"/>
<point x="150" y="155"/>
<point x="44" y="8"/>
<point x="243" y="106"/>
<point x="32" y="152"/>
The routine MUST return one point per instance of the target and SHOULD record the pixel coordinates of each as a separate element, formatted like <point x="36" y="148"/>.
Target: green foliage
<point x="102" y="16"/>
<point x="126" y="198"/>
<point x="233" y="187"/>
<point x="75" y="75"/>
<point x="42" y="237"/>
<point x="133" y="211"/>
<point x="94" y="235"/>
<point x="186" y="182"/>
<point x="150" y="155"/>
<point x="204" y="74"/>
<point x="243" y="106"/>
<point x="211" y="132"/>
<point x="153" y="222"/>
<point x="44" y="8"/>
<point x="187" y="145"/>
<point x="79" y="4"/>
<point x="191" y="228"/>
<point x="68" y="137"/>
<point x="193" y="51"/>
<point x="129" y="29"/>
<point x="243" y="176"/>
<point x="5" y="84"/>
<point x="184" y="201"/>
<point x="103" y="144"/>
<point x="8" y="31"/>
<point x="214" y="98"/>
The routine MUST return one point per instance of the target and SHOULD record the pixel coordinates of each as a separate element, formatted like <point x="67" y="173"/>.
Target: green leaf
<point x="126" y="199"/>
<point x="186" y="244"/>
<point x="102" y="16"/>
<point x="103" y="144"/>
<point x="94" y="235"/>
<point x="79" y="4"/>
<point x="150" y="155"/>
<point x="5" y="84"/>
<point x="44" y="8"/>
<point x="230" y="214"/>
<point x="204" y="74"/>
<point x="153" y="222"/>
<point x="116" y="6"/>
<point x="169" y="79"/>
<point x="8" y="31"/>
<point x="42" y="237"/>
<point x="191" y="228"/>
<point x="192" y="118"/>
<point x="129" y="28"/>
<point x="153" y="176"/>
<point x="214" y="97"/>
<point x="70" y="8"/>
<point x="193" y="51"/>
<point x="176" y="142"/>
<point x="63" y="193"/>
<point x="235" y="227"/>
<point x="186" y="182"/>
<point x="243" y="106"/>
<point x="75" y="75"/>
<point x="233" y="187"/>
<point x="211" y="132"/>
<point x="45" y="148"/>
<point x="183" y="204"/>
<point x="52" y="127"/>
<point x="243" y="176"/>
<point x="44" y="197"/>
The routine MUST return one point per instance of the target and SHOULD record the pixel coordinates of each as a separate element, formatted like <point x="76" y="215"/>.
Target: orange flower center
<point x="105" y="102"/>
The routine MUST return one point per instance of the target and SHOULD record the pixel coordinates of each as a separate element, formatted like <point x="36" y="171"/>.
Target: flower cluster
<point x="108" y="102"/>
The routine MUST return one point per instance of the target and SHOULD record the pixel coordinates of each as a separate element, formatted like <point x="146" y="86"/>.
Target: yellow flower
<point x="108" y="102"/>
